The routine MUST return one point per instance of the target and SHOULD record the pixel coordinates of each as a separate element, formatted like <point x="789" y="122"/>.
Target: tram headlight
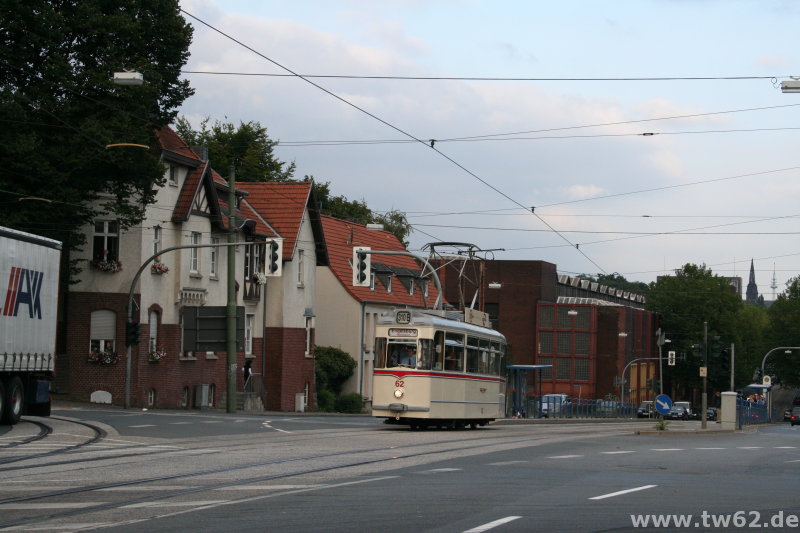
<point x="398" y="393"/>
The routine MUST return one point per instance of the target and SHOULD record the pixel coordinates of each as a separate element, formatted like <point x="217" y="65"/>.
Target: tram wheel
<point x="473" y="425"/>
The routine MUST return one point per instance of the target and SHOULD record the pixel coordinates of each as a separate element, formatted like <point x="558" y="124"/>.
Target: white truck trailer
<point x="29" y="269"/>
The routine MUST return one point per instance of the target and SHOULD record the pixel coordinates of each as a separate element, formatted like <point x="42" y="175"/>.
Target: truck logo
<point x="24" y="287"/>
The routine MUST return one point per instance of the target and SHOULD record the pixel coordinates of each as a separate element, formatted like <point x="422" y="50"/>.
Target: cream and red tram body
<point x="435" y="371"/>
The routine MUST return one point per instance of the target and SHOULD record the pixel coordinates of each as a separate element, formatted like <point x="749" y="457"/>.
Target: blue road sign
<point x="663" y="404"/>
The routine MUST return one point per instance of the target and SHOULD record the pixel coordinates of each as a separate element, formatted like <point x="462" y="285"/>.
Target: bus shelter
<point x="518" y="384"/>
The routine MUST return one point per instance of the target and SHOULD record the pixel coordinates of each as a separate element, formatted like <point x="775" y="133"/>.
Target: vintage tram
<point x="435" y="370"/>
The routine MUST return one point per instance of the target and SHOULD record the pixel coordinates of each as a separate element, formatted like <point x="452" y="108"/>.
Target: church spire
<point x="752" y="290"/>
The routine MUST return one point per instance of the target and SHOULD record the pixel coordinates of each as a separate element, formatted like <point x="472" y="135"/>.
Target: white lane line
<point x="785" y="447"/>
<point x="143" y="426"/>
<point x="439" y="470"/>
<point x="668" y="449"/>
<point x="563" y="456"/>
<point x="621" y="492"/>
<point x="491" y="525"/>
<point x="709" y="448"/>
<point x="504" y="463"/>
<point x="616" y="453"/>
<point x="266" y="425"/>
<point x="794" y="461"/>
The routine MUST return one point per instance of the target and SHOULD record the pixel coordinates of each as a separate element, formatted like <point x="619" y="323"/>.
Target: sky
<point x="624" y="136"/>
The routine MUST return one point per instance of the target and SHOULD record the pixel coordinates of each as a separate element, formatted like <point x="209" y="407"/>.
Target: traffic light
<point x="361" y="267"/>
<point x="131" y="333"/>
<point x="650" y="384"/>
<point x="274" y="257"/>
<point x="671" y="358"/>
<point x="714" y="346"/>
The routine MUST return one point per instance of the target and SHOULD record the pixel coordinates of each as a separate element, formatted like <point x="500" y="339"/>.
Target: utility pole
<point x="704" y="403"/>
<point x="230" y="314"/>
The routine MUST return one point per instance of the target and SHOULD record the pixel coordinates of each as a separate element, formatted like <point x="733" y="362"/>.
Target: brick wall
<point x="288" y="369"/>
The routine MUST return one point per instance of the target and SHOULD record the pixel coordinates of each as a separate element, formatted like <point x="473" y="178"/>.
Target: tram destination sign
<point x="402" y="332"/>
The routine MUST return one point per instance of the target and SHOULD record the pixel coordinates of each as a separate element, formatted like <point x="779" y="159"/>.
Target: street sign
<point x="663" y="404"/>
<point x="767" y="381"/>
<point x="703" y="371"/>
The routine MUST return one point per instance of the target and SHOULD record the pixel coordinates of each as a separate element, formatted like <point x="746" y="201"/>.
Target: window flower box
<point x="159" y="268"/>
<point x="259" y="278"/>
<point x="104" y="358"/>
<point x="107" y="265"/>
<point x="156" y="355"/>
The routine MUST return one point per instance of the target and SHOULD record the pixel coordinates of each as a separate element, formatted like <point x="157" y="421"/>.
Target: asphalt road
<point x="314" y="473"/>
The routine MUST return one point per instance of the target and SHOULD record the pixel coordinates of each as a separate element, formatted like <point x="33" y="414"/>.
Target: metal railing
<point x="575" y="408"/>
<point x="751" y="413"/>
<point x="254" y="394"/>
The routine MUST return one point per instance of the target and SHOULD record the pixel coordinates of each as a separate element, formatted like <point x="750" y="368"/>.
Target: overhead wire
<point x="392" y="126"/>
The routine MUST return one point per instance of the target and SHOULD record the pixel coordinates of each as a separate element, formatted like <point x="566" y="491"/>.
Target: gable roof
<point x="244" y="212"/>
<point x="340" y="238"/>
<point x="283" y="204"/>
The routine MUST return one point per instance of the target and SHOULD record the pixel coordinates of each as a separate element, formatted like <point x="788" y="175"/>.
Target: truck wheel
<point x="14" y="400"/>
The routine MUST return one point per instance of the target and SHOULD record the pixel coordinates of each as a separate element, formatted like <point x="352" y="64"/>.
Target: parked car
<point x="711" y="413"/>
<point x="691" y="414"/>
<point x="646" y="410"/>
<point x="787" y="415"/>
<point x="795" y="418"/>
<point x="678" y="412"/>
<point x="607" y="409"/>
<point x="556" y="405"/>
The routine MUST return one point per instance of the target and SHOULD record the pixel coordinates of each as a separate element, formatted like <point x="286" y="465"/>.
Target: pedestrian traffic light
<point x="131" y="333"/>
<point x="671" y="358"/>
<point x="361" y="267"/>
<point x="274" y="257"/>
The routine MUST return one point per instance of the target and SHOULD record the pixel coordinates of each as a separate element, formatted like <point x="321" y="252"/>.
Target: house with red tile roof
<point x="348" y="314"/>
<point x="179" y="361"/>
<point x="291" y="209"/>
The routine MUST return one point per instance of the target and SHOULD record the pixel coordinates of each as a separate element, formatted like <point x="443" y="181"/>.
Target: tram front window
<point x="403" y="354"/>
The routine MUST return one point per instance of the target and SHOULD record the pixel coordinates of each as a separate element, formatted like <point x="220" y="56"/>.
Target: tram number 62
<point x="399" y="383"/>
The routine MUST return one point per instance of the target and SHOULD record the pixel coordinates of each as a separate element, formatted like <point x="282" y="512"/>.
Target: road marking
<point x="785" y="447"/>
<point x="615" y="453"/>
<point x="143" y="426"/>
<point x="621" y="492"/>
<point x="709" y="448"/>
<point x="667" y="449"/>
<point x="438" y="470"/>
<point x="749" y="447"/>
<point x="794" y="461"/>
<point x="266" y="425"/>
<point x="504" y="463"/>
<point x="563" y="456"/>
<point x="491" y="525"/>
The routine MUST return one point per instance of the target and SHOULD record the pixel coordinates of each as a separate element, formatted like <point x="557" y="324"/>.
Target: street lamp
<point x="790" y="86"/>
<point x="128" y="77"/>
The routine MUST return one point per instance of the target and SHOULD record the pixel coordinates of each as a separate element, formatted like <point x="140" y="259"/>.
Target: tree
<point x="784" y="330"/>
<point x="618" y="282"/>
<point x="685" y="301"/>
<point x="60" y="109"/>
<point x="248" y="147"/>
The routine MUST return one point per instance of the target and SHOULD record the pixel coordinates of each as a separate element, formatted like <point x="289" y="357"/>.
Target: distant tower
<point x="774" y="282"/>
<point x="752" y="290"/>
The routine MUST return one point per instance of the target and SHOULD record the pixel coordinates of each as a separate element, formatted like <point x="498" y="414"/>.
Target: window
<point x="545" y="342"/>
<point x="212" y="266"/>
<point x="103" y="328"/>
<point x="546" y="316"/>
<point x="454" y="352"/>
<point x="563" y="370"/>
<point x="309" y="329"/>
<point x="173" y="175"/>
<point x="151" y="398"/>
<point x="156" y="239"/>
<point x="249" y="324"/>
<point x="194" y="262"/>
<point x="582" y="342"/>
<point x="547" y="373"/>
<point x="252" y="260"/>
<point x="301" y="257"/>
<point x="105" y="246"/>
<point x="582" y="369"/>
<point x="564" y="343"/>
<point x="153" y="331"/>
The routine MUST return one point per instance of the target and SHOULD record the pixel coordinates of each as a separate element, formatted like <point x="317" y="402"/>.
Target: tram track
<point x="47" y="431"/>
<point x="363" y="457"/>
<point x="44" y="431"/>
